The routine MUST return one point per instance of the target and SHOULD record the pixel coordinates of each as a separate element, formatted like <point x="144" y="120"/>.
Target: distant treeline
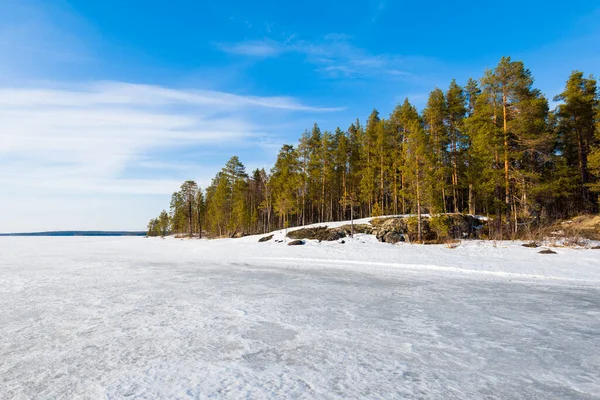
<point x="490" y="147"/>
<point x="77" y="233"/>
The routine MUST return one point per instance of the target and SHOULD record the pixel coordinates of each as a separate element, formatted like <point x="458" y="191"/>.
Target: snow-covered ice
<point x="112" y="318"/>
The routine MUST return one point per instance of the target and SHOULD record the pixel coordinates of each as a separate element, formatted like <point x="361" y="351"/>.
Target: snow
<point x="112" y="318"/>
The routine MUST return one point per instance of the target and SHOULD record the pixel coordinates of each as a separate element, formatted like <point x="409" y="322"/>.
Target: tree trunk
<point x="471" y="200"/>
<point x="199" y="225"/>
<point x="444" y="200"/>
<point x="395" y="192"/>
<point x="403" y="198"/>
<point x="191" y="218"/>
<point x="418" y="204"/>
<point x="343" y="217"/>
<point x="583" y="168"/>
<point x="381" y="180"/>
<point x="506" y="169"/>
<point x="516" y="217"/>
<point x="323" y="197"/>
<point x="454" y="175"/>
<point x="352" y="219"/>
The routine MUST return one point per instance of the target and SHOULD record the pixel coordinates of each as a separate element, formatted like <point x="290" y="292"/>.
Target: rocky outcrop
<point x="316" y="233"/>
<point x="390" y="230"/>
<point x="437" y="228"/>
<point x="296" y="243"/>
<point x="358" y="228"/>
<point x="328" y="234"/>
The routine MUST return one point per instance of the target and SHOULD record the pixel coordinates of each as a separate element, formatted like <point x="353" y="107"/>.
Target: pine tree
<point x="326" y="162"/>
<point x="237" y="179"/>
<point x="341" y="157"/>
<point x="200" y="210"/>
<point x="401" y="120"/>
<point x="369" y="161"/>
<point x="218" y="204"/>
<point x="417" y="164"/>
<point x="355" y="134"/>
<point x="520" y="113"/>
<point x="188" y="192"/>
<point x="576" y="128"/>
<point x="265" y="204"/>
<point x="153" y="229"/>
<point x="456" y="111"/>
<point x="304" y="152"/>
<point x="178" y="216"/>
<point x="594" y="157"/>
<point x="286" y="183"/>
<point x="163" y="223"/>
<point x="472" y="91"/>
<point x="314" y="168"/>
<point x="471" y="167"/>
<point x="434" y="117"/>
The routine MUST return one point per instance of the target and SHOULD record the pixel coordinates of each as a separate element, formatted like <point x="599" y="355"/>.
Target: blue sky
<point x="106" y="106"/>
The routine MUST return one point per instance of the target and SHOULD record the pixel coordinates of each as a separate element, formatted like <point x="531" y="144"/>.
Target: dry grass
<point x="574" y="233"/>
<point x="583" y="226"/>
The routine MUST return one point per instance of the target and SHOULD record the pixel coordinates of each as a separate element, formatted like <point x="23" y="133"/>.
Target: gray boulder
<point x="266" y="238"/>
<point x="393" y="237"/>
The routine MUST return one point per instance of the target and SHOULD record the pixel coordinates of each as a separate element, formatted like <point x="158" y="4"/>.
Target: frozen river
<point x="106" y="318"/>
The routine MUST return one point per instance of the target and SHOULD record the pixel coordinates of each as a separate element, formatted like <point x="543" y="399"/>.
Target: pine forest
<point x="491" y="147"/>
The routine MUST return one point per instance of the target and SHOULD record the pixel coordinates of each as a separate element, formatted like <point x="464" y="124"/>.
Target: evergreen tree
<point x="178" y="216"/>
<point x="369" y="160"/>
<point x="237" y="179"/>
<point x="188" y="193"/>
<point x="417" y="164"/>
<point x="576" y="129"/>
<point x="286" y="183"/>
<point x="434" y="117"/>
<point x="456" y="112"/>
<point x="403" y="119"/>
<point x="153" y="229"/>
<point x="355" y="134"/>
<point x="163" y="223"/>
<point x="520" y="116"/>
<point x="594" y="157"/>
<point x="472" y="91"/>
<point x="218" y="204"/>
<point x="200" y="210"/>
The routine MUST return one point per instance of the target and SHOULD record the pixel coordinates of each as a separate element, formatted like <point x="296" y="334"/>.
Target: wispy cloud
<point x="334" y="56"/>
<point x="254" y="48"/>
<point x="84" y="137"/>
<point x="378" y="11"/>
<point x="116" y="140"/>
<point x="136" y="95"/>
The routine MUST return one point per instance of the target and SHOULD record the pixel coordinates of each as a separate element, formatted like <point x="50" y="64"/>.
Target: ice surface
<point x="112" y="318"/>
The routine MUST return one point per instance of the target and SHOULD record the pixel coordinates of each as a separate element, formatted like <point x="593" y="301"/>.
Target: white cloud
<point x="110" y="138"/>
<point x="118" y="93"/>
<point x="334" y="56"/>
